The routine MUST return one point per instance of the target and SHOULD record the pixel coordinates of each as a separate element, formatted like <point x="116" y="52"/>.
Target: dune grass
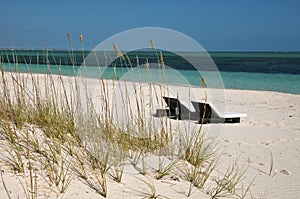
<point x="42" y="123"/>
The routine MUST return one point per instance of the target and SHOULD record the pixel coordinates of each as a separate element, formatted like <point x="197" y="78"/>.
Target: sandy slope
<point x="272" y="126"/>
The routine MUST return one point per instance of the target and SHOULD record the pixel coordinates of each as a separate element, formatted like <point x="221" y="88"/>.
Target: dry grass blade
<point x="149" y="190"/>
<point x="4" y="185"/>
<point x="271" y="164"/>
<point x="227" y="184"/>
<point x="165" y="170"/>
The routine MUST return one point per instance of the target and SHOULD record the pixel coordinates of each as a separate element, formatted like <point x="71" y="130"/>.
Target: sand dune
<point x="271" y="129"/>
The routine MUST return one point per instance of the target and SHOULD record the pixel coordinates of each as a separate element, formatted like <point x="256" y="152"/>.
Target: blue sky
<point x="218" y="25"/>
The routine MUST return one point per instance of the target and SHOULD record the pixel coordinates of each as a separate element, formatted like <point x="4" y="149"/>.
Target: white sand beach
<point x="271" y="130"/>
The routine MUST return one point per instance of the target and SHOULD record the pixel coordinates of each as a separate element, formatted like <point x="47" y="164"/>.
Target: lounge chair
<point x="210" y="114"/>
<point x="174" y="107"/>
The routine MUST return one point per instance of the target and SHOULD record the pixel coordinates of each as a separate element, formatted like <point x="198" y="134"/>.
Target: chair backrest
<point x="207" y="109"/>
<point x="215" y="111"/>
<point x="174" y="106"/>
<point x="173" y="103"/>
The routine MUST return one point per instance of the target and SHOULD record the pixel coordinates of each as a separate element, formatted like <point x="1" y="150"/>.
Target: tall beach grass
<point x="53" y="128"/>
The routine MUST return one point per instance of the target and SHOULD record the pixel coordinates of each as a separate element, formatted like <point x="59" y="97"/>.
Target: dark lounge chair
<point x="174" y="107"/>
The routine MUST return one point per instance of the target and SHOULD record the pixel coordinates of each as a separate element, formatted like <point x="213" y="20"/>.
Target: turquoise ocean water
<point x="270" y="71"/>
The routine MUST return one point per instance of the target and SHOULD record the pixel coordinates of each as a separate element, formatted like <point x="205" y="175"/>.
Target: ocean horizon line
<point x="208" y="51"/>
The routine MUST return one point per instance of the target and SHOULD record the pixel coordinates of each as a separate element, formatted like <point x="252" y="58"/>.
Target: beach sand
<point x="270" y="129"/>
